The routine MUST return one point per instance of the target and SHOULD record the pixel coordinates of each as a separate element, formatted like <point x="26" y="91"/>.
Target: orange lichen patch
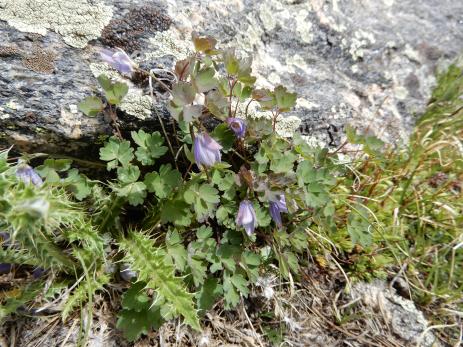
<point x="40" y="60"/>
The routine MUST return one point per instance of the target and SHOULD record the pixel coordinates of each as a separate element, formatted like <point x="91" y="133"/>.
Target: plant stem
<point x="161" y="122"/>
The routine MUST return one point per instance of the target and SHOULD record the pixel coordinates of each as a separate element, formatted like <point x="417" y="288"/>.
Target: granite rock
<point x="371" y="63"/>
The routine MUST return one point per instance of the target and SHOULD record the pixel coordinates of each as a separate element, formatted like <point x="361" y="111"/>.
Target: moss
<point x="77" y="21"/>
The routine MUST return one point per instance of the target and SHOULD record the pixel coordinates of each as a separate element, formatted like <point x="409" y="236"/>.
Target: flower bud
<point x="118" y="60"/>
<point x="238" y="126"/>
<point x="246" y="217"/>
<point x="277" y="206"/>
<point x="28" y="175"/>
<point x="206" y="150"/>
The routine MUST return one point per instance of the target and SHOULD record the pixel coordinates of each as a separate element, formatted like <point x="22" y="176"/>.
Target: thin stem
<point x="247" y="106"/>
<point x="207" y="174"/>
<point x="239" y="155"/>
<point x="161" y="83"/>
<point x="160" y="119"/>
<point x="113" y="116"/>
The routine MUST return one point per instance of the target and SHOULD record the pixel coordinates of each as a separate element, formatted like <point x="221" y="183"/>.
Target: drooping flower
<point x="238" y="126"/>
<point x="118" y="60"/>
<point x="277" y="206"/>
<point x="206" y="150"/>
<point x="28" y="175"/>
<point x="127" y="274"/>
<point x="246" y="217"/>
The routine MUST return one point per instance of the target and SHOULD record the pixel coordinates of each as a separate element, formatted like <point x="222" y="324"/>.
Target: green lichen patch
<point x="77" y="21"/>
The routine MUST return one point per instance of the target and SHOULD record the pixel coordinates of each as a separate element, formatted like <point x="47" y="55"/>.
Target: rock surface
<point x="399" y="314"/>
<point x="371" y="63"/>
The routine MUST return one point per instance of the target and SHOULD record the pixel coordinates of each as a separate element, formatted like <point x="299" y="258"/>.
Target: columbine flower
<point x="206" y="150"/>
<point x="246" y="217"/>
<point x="28" y="175"/>
<point x="238" y="126"/>
<point x="118" y="60"/>
<point x="277" y="206"/>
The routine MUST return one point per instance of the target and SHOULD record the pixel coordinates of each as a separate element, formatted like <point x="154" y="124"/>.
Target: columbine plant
<point x="231" y="197"/>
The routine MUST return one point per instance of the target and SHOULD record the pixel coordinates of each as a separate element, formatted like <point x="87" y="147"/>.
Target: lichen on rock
<point x="136" y="105"/>
<point x="77" y="21"/>
<point x="169" y="43"/>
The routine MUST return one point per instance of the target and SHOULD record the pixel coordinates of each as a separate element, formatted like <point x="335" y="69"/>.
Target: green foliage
<point x="85" y="290"/>
<point x="91" y="106"/>
<point x="139" y="314"/>
<point x="15" y="298"/>
<point x="372" y="212"/>
<point x="150" y="146"/>
<point x="114" y="91"/>
<point x="150" y="264"/>
<point x="116" y="152"/>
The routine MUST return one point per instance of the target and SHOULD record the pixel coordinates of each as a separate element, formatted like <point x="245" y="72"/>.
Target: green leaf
<point x="240" y="283"/>
<point x="135" y="297"/>
<point x="283" y="162"/>
<point x="204" y="80"/>
<point x="91" y="106"/>
<point x="203" y="199"/>
<point x="203" y="232"/>
<point x="114" y="91"/>
<point x="198" y="270"/>
<point x="164" y="182"/>
<point x="176" y="250"/>
<point x="217" y="104"/>
<point x="210" y="291"/>
<point x="230" y="61"/>
<point x="358" y="227"/>
<point x="78" y="184"/>
<point x="224" y="136"/>
<point x="139" y="315"/>
<point x="135" y="323"/>
<point x="128" y="174"/>
<point x="284" y="99"/>
<point x="177" y="212"/>
<point x="183" y="93"/>
<point x="265" y="97"/>
<point x="231" y="295"/>
<point x="50" y="168"/>
<point x="88" y="286"/>
<point x="150" y="146"/>
<point x="262" y="215"/>
<point x="134" y="192"/>
<point x="116" y="151"/>
<point x="150" y="263"/>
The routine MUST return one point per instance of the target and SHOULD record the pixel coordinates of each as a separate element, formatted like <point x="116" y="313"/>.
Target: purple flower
<point x="246" y="217"/>
<point x="277" y="206"/>
<point x="38" y="272"/>
<point x="238" y="126"/>
<point x="28" y="175"/>
<point x="118" y="60"/>
<point x="127" y="274"/>
<point x="206" y="150"/>
<point x="5" y="268"/>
